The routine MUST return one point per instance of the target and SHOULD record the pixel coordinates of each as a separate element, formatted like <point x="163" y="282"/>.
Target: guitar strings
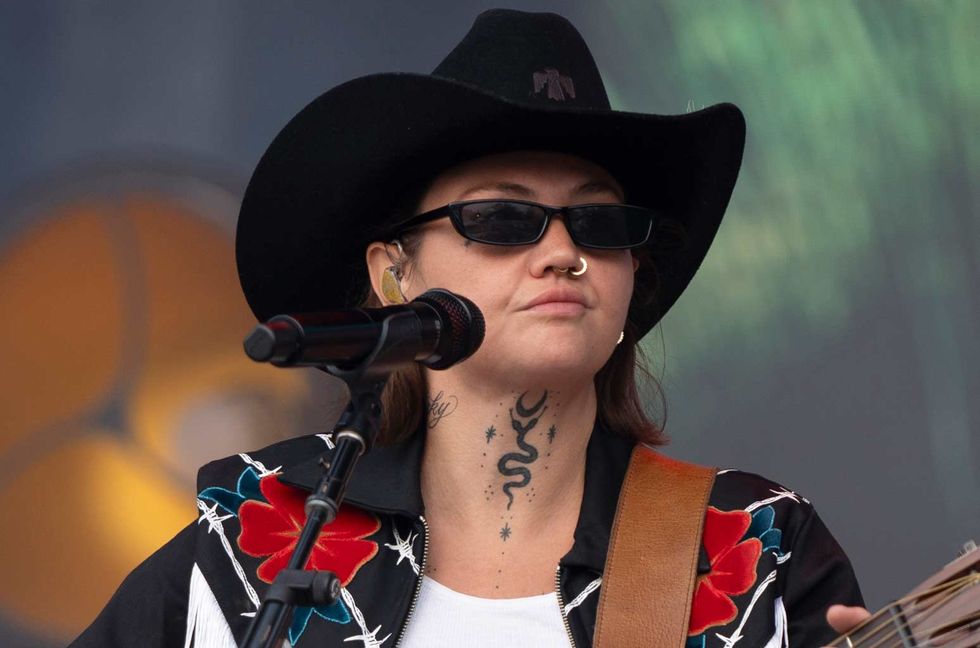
<point x="889" y="622"/>
<point x="949" y="590"/>
<point x="868" y="628"/>
<point x="968" y="623"/>
<point x="944" y="641"/>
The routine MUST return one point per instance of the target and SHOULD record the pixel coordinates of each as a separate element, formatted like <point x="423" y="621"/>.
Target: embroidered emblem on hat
<point x="558" y="85"/>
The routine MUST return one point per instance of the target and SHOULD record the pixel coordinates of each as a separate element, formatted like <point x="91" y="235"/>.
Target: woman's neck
<point x="503" y="471"/>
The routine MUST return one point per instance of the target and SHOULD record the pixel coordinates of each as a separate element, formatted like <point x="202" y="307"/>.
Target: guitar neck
<point x="942" y="611"/>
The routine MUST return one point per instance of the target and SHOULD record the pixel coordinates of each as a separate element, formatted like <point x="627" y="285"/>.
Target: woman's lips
<point x="558" y="308"/>
<point x="558" y="301"/>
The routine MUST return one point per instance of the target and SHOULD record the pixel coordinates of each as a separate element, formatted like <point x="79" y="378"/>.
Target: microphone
<point x="444" y="329"/>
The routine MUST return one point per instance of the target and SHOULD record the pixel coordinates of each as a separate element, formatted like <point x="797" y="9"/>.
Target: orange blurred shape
<point x="61" y="313"/>
<point x="74" y="523"/>
<point x="123" y="372"/>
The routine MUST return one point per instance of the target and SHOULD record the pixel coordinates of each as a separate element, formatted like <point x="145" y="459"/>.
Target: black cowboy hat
<point x="331" y="180"/>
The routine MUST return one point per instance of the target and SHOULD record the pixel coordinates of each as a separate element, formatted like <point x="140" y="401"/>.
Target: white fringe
<point x="780" y="638"/>
<point x="737" y="636"/>
<point x="206" y="625"/>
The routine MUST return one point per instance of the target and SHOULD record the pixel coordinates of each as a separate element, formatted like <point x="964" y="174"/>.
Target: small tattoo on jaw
<point x="490" y="433"/>
<point x="551" y="433"/>
<point x="440" y="407"/>
<point x="505" y="532"/>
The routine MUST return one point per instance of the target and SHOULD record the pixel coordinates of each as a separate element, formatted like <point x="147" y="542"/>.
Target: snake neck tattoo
<point x="522" y="419"/>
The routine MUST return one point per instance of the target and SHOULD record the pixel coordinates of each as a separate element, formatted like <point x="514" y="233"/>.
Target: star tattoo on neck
<point x="505" y="532"/>
<point x="490" y="433"/>
<point x="552" y="431"/>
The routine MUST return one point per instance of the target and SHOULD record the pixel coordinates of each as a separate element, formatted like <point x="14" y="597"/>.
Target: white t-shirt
<point x="444" y="618"/>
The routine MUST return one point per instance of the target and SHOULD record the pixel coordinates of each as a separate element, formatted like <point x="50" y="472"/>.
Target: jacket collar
<point x="387" y="480"/>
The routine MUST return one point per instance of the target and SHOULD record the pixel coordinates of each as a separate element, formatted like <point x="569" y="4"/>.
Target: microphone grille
<point x="463" y="327"/>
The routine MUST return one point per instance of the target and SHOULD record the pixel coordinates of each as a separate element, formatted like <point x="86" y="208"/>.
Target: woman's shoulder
<point x="228" y="471"/>
<point x="741" y="485"/>
<point x="764" y="503"/>
<point x="769" y="551"/>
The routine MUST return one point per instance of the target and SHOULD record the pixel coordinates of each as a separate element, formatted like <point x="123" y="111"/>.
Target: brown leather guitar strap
<point x="651" y="567"/>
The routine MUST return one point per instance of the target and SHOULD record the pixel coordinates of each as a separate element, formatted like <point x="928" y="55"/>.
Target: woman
<point x="503" y="177"/>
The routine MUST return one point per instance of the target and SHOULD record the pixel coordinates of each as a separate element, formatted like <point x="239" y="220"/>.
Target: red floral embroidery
<point x="273" y="529"/>
<point x="733" y="569"/>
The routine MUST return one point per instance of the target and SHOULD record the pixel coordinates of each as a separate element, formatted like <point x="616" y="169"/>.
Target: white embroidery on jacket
<point x="405" y="548"/>
<point x="577" y="601"/>
<point x="210" y="514"/>
<point x="369" y="639"/>
<point x="258" y="465"/>
<point x="737" y="635"/>
<point x="779" y="494"/>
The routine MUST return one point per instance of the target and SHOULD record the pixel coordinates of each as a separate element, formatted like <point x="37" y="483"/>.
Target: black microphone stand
<point x="354" y="435"/>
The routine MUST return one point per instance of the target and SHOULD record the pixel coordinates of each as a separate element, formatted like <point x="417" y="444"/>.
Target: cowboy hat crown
<point x="536" y="59"/>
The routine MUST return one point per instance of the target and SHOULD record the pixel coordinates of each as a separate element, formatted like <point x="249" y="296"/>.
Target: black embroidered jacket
<point x="768" y="569"/>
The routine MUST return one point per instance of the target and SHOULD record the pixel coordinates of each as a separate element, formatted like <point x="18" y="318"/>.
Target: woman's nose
<point x="556" y="249"/>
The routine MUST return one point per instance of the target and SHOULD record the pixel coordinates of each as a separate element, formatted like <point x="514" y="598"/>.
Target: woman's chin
<point x="539" y="356"/>
<point x="546" y="367"/>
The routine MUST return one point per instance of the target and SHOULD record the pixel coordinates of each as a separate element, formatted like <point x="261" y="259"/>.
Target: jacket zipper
<point x="418" y="581"/>
<point x="561" y="606"/>
<point x="418" y="589"/>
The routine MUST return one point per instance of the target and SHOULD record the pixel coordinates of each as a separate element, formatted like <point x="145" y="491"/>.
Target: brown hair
<point x="619" y="403"/>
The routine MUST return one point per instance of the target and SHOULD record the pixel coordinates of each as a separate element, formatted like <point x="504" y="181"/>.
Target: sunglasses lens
<point x="500" y="222"/>
<point x="609" y="226"/>
<point x="503" y="222"/>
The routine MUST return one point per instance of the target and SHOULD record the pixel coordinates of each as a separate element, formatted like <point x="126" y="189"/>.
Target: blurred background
<point x="829" y="342"/>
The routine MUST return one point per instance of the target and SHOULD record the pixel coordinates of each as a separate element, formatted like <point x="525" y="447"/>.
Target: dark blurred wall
<point x="829" y="342"/>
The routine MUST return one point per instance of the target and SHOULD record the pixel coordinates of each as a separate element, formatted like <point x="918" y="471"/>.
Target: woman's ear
<point x="377" y="258"/>
<point x="384" y="263"/>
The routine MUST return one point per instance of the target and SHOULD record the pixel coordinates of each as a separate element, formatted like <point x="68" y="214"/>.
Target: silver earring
<point x="578" y="272"/>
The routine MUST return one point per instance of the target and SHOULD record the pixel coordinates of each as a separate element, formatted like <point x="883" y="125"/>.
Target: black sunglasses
<point x="606" y="226"/>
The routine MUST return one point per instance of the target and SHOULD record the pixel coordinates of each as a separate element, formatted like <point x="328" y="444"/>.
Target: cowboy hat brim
<point x="330" y="180"/>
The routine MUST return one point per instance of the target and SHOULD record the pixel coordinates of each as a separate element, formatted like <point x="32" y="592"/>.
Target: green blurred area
<point x="861" y="159"/>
